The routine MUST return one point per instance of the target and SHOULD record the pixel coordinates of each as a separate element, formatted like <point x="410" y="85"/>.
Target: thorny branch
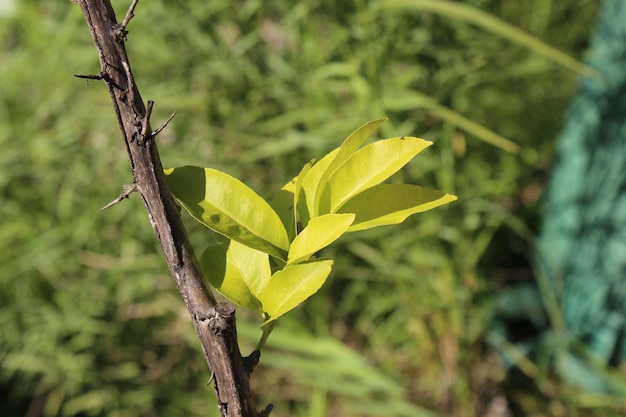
<point x="214" y="322"/>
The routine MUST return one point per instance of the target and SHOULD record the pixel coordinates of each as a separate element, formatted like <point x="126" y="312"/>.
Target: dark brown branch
<point x="214" y="323"/>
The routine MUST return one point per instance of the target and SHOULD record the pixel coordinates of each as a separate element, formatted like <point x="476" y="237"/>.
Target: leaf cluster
<point x="340" y="193"/>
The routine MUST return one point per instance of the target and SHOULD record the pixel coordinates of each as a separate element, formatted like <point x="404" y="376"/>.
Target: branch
<point x="214" y="323"/>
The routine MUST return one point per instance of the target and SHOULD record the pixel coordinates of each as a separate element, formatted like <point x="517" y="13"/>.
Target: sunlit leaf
<point x="297" y="196"/>
<point x="303" y="209"/>
<point x="387" y="204"/>
<point x="368" y="167"/>
<point x="319" y="233"/>
<point x="283" y="206"/>
<point x="229" y="207"/>
<point x="291" y="286"/>
<point x="347" y="148"/>
<point x="310" y="182"/>
<point x="237" y="271"/>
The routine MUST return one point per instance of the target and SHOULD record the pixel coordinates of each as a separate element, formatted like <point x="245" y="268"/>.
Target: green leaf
<point x="296" y="196"/>
<point x="347" y="148"/>
<point x="229" y="207"/>
<point x="286" y="203"/>
<point x="283" y="206"/>
<point x="319" y="233"/>
<point x="309" y="186"/>
<point x="368" y="167"/>
<point x="291" y="286"/>
<point x="237" y="271"/>
<point x="387" y="204"/>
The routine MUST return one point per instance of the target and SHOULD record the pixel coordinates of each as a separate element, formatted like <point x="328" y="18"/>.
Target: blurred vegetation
<point x="91" y="323"/>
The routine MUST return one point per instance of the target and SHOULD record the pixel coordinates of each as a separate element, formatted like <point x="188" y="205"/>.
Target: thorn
<point x="128" y="190"/>
<point x="89" y="77"/>
<point x="211" y="378"/>
<point x="102" y="76"/>
<point x="267" y="410"/>
<point x="163" y="125"/>
<point x="121" y="31"/>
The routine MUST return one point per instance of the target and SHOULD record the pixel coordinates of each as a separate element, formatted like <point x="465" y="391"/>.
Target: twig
<point x="128" y="190"/>
<point x="163" y="125"/>
<point x="130" y="13"/>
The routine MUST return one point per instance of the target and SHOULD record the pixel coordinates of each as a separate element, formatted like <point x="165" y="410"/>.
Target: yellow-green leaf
<point x="347" y="148"/>
<point x="309" y="185"/>
<point x="319" y="233"/>
<point x="292" y="285"/>
<point x="237" y="271"/>
<point x="387" y="204"/>
<point x="229" y="207"/>
<point x="297" y="196"/>
<point x="283" y="206"/>
<point x="370" y="166"/>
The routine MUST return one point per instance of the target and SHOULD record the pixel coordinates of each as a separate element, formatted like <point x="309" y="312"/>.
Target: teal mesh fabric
<point x="582" y="246"/>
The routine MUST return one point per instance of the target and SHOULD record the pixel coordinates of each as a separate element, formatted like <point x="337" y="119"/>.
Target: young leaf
<point x="237" y="271"/>
<point x="290" y="286"/>
<point x="387" y="204"/>
<point x="319" y="233"/>
<point x="229" y="207"/>
<point x="283" y="206"/>
<point x="368" y="167"/>
<point x="304" y="215"/>
<point x="296" y="194"/>
<point x="309" y="185"/>
<point x="347" y="148"/>
<point x="286" y="202"/>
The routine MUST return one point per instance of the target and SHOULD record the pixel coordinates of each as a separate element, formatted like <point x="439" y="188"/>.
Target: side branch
<point x="217" y="335"/>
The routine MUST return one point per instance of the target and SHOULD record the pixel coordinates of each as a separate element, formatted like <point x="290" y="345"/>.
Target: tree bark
<point x="214" y="322"/>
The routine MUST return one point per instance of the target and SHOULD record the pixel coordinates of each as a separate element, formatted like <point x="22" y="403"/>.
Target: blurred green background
<point x="90" y="320"/>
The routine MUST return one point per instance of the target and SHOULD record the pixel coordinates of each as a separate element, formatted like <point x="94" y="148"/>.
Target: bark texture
<point x="214" y="322"/>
